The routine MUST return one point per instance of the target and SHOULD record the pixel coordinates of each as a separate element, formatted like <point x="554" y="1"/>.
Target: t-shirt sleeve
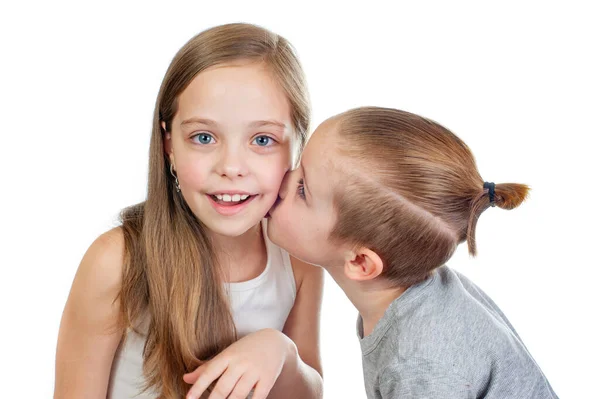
<point x="420" y="378"/>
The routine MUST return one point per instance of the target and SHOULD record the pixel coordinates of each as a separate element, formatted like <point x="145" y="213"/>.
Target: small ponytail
<point x="506" y="196"/>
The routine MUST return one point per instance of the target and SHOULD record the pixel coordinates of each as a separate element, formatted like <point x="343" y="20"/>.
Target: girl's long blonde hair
<point x="172" y="283"/>
<point x="414" y="192"/>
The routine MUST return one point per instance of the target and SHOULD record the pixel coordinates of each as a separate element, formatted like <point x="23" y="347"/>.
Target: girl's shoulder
<point x="107" y="252"/>
<point x="100" y="271"/>
<point x="306" y="272"/>
<point x="91" y="328"/>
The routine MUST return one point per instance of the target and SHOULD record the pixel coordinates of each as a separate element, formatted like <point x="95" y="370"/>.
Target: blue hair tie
<point x="491" y="187"/>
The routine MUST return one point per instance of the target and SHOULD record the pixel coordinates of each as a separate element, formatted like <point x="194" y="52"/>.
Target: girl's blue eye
<point x="263" y="141"/>
<point x="300" y="189"/>
<point x="203" y="138"/>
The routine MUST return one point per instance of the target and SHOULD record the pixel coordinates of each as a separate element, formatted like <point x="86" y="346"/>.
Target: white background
<point x="518" y="81"/>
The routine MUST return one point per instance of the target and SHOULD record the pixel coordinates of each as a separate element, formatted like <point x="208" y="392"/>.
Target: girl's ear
<point x="167" y="142"/>
<point x="363" y="264"/>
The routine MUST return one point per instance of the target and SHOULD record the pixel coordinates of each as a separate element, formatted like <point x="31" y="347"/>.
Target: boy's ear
<point x="363" y="264"/>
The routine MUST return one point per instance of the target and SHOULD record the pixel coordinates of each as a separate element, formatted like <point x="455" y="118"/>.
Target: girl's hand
<point x="253" y="362"/>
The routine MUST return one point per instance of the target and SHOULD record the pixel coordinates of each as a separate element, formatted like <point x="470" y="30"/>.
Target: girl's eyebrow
<point x="202" y="121"/>
<point x="267" y="123"/>
<point x="253" y="125"/>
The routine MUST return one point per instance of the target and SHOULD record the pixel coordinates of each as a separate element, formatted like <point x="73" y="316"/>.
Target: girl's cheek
<point x="192" y="174"/>
<point x="276" y="178"/>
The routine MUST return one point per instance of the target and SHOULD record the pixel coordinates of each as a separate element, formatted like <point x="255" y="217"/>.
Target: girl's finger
<point x="213" y="370"/>
<point x="244" y="387"/>
<point x="226" y="384"/>
<point x="191" y="378"/>
<point x="261" y="390"/>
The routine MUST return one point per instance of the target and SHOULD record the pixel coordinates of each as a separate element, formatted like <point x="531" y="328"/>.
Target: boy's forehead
<point x="321" y="162"/>
<point x="319" y="149"/>
<point x="322" y="141"/>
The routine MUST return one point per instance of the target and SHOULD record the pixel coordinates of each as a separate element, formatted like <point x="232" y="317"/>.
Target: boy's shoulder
<point x="446" y="339"/>
<point x="444" y="322"/>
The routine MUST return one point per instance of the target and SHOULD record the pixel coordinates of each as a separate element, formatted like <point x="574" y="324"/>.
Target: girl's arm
<point x="268" y="362"/>
<point x="89" y="330"/>
<point x="301" y="376"/>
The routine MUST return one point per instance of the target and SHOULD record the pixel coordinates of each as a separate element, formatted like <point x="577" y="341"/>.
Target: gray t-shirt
<point x="445" y="338"/>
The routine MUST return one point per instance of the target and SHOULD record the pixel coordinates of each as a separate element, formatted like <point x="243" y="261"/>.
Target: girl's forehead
<point x="248" y="81"/>
<point x="254" y="96"/>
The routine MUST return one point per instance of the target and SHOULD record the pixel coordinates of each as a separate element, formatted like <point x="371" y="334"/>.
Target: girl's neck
<point x="370" y="298"/>
<point x="243" y="257"/>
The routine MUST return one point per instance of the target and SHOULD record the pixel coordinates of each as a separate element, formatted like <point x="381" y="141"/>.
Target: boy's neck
<point x="370" y="298"/>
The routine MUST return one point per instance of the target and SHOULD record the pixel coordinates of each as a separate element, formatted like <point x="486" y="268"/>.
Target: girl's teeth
<point x="231" y="198"/>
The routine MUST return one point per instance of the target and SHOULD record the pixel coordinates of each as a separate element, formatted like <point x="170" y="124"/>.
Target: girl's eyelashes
<point x="300" y="189"/>
<point x="203" y="138"/>
<point x="264" y="141"/>
<point x="207" y="138"/>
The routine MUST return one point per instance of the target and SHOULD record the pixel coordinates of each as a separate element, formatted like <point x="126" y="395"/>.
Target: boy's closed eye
<point x="300" y="189"/>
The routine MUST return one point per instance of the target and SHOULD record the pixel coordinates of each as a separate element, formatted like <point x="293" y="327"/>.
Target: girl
<point x="191" y="269"/>
<point x="381" y="200"/>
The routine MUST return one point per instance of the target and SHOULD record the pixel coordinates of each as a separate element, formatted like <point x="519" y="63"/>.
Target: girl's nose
<point x="232" y="164"/>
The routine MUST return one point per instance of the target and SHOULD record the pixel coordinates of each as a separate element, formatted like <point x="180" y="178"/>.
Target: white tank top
<point x="263" y="302"/>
